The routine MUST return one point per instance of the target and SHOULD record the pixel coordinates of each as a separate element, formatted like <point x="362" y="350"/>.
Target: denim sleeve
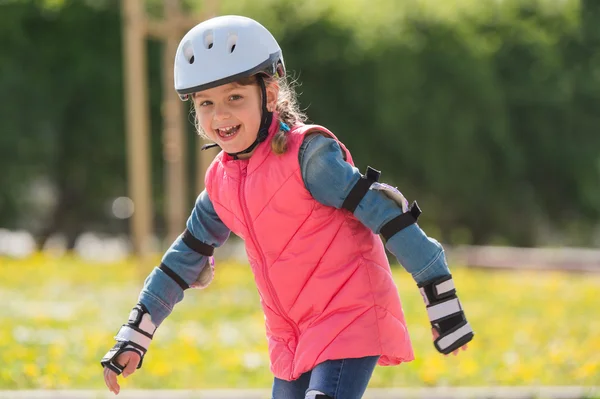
<point x="329" y="178"/>
<point x="160" y="292"/>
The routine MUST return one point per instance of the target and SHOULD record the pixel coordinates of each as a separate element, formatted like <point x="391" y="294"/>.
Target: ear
<point x="272" y="89"/>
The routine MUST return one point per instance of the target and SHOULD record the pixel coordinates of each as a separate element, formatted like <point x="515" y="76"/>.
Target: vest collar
<point x="260" y="153"/>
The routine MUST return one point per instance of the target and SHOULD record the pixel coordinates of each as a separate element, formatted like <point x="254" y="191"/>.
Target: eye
<point x="235" y="97"/>
<point x="205" y="103"/>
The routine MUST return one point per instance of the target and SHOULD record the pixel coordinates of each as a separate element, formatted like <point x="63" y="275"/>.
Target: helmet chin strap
<point x="265" y="123"/>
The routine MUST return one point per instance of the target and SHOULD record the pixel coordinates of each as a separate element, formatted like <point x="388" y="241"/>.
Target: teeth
<point x="227" y="131"/>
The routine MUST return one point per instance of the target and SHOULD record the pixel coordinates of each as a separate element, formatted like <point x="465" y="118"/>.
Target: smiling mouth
<point x="228" y="131"/>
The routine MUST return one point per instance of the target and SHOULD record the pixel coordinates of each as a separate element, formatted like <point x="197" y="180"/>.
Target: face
<point x="230" y="114"/>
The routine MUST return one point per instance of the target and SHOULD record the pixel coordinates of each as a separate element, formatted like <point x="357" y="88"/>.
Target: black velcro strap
<point x="360" y="189"/>
<point x="184" y="286"/>
<point x="139" y="348"/>
<point x="114" y="366"/>
<point x="196" y="245"/>
<point x="401" y="222"/>
<point x="437" y="288"/>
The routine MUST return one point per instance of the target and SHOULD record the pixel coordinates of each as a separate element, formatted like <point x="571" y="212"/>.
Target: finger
<point x="113" y="381"/>
<point x="106" y="379"/>
<point x="111" y="377"/>
<point x="131" y="365"/>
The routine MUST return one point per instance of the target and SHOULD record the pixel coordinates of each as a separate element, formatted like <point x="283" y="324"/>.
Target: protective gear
<point x="135" y="336"/>
<point x="196" y="245"/>
<point x="393" y="193"/>
<point x="360" y="189"/>
<point x="223" y="50"/>
<point x="370" y="181"/>
<point x="401" y="222"/>
<point x="226" y="49"/>
<point x="446" y="314"/>
<point x="207" y="272"/>
<point x="204" y="278"/>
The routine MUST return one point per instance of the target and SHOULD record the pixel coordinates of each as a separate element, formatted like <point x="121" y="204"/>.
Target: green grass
<point x="60" y="314"/>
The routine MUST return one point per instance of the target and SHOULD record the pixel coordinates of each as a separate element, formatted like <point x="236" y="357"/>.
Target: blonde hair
<point x="287" y="107"/>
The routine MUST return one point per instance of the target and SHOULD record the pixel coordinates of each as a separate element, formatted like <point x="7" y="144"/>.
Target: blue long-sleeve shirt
<point x="329" y="178"/>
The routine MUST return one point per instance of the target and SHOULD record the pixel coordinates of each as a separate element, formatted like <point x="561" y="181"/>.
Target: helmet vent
<point x="188" y="52"/>
<point x="231" y="42"/>
<point x="208" y="39"/>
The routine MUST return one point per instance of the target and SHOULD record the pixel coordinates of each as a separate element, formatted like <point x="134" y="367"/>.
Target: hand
<point x="128" y="359"/>
<point x="435" y="334"/>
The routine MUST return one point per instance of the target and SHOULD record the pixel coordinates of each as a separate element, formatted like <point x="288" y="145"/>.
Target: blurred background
<point x="485" y="111"/>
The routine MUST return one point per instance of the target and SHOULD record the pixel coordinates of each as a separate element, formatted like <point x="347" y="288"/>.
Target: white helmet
<point x="222" y="50"/>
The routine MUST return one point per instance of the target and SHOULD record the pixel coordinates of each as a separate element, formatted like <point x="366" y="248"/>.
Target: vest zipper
<point x="263" y="260"/>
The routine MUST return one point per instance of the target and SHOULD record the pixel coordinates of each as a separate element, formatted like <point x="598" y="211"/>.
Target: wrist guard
<point x="446" y="314"/>
<point x="135" y="336"/>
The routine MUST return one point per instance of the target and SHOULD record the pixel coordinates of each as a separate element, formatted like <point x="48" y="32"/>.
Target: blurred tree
<point x="62" y="74"/>
<point x="483" y="111"/>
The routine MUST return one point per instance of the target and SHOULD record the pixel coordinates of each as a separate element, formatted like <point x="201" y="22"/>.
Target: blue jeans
<point x="339" y="379"/>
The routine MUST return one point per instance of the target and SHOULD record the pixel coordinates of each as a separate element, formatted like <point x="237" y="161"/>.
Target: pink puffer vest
<point x="323" y="277"/>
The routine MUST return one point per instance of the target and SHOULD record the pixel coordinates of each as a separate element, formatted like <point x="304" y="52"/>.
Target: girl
<point x="310" y="222"/>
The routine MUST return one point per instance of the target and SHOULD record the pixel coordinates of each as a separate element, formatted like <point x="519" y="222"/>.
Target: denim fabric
<point x="329" y="179"/>
<point x="344" y="378"/>
<point x="160" y="292"/>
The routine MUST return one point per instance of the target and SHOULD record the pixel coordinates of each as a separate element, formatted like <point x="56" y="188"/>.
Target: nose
<point x="221" y="112"/>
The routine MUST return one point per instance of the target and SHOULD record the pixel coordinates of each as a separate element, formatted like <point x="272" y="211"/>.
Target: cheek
<point x="250" y="116"/>
<point x="204" y="122"/>
<point x="252" y="120"/>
